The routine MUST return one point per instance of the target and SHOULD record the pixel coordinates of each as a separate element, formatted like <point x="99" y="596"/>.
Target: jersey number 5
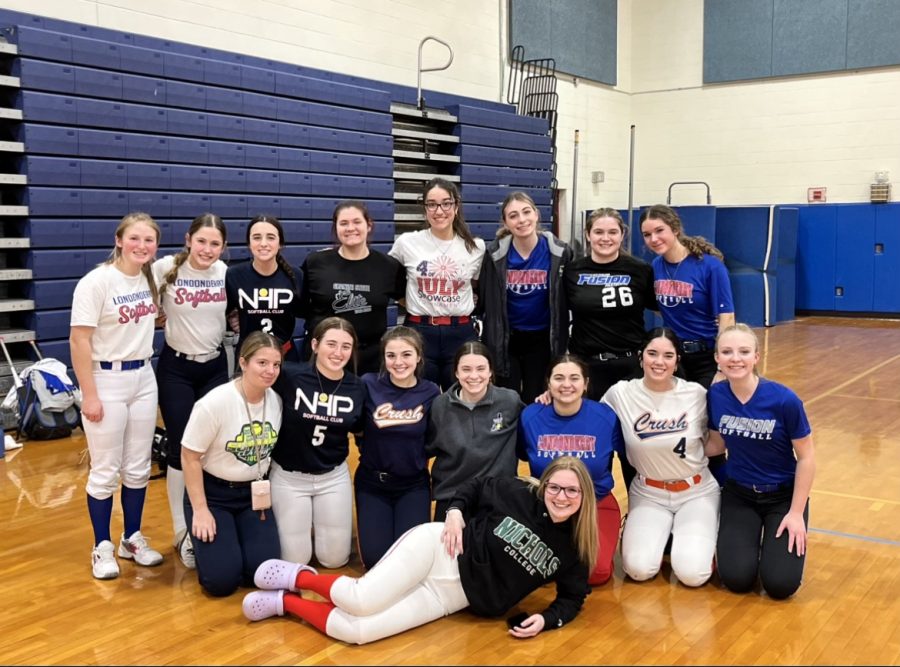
<point x="318" y="435"/>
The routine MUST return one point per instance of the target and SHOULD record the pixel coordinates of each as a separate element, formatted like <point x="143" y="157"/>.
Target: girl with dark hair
<point x="393" y="492"/>
<point x="472" y="430"/>
<point x="192" y="361"/>
<point x="264" y="293"/>
<point x="692" y="288"/>
<point x="352" y="281"/>
<point x="573" y="426"/>
<point x="226" y="454"/>
<point x="771" y="464"/>
<point x="476" y="559"/>
<point x="114" y="308"/>
<point x="442" y="263"/>
<point x="607" y="292"/>
<point x="673" y="494"/>
<point x="519" y="297"/>
<point x="311" y="488"/>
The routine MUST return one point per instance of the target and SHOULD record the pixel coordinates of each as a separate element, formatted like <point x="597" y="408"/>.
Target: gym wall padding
<point x="753" y="39"/>
<point x="579" y="34"/>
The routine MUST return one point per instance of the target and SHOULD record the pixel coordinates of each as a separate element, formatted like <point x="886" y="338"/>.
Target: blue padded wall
<point x="787" y="221"/>
<point x="579" y="34"/>
<point x="751" y="39"/>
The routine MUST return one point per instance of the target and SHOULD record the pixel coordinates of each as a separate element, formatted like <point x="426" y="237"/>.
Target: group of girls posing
<point x="277" y="436"/>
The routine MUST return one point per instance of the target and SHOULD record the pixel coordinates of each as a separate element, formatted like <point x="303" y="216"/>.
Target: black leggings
<point x="741" y="556"/>
<point x="529" y="356"/>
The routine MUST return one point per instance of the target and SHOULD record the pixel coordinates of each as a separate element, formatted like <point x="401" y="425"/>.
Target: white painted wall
<point x="754" y="142"/>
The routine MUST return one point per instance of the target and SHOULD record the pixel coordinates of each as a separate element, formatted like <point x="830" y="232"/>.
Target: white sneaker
<point x="136" y="548"/>
<point x="263" y="604"/>
<point x="103" y="561"/>
<point x="276" y="574"/>
<point x="185" y="551"/>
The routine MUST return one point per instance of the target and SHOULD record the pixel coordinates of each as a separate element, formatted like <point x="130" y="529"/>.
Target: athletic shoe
<point x="136" y="548"/>
<point x="276" y="574"/>
<point x="185" y="549"/>
<point x="103" y="561"/>
<point x="263" y="604"/>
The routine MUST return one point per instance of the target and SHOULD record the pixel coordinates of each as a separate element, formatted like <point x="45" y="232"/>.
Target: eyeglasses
<point x="432" y="206"/>
<point x="570" y="491"/>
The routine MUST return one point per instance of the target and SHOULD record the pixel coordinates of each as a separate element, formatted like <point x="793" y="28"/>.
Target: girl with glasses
<point x="519" y="297"/>
<point x="570" y="425"/>
<point x="476" y="559"/>
<point x="674" y="494"/>
<point x="442" y="263"/>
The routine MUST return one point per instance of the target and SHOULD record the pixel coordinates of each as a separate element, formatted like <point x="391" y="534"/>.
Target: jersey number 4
<point x="678" y="449"/>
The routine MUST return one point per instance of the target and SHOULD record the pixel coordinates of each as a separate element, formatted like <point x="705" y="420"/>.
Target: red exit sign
<point x="815" y="195"/>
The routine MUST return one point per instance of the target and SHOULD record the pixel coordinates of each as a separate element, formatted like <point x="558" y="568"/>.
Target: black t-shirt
<point x="607" y="302"/>
<point x="264" y="303"/>
<point x="357" y="290"/>
<point x="317" y="416"/>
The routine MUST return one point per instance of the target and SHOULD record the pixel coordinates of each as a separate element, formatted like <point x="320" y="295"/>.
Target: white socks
<point x="175" y="489"/>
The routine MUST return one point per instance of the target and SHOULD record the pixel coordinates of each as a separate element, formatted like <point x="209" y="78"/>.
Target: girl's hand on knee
<point x="528" y="628"/>
<point x="203" y="526"/>
<point x="796" y="529"/>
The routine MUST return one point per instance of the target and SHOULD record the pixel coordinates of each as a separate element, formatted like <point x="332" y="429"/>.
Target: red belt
<point x="678" y="485"/>
<point x="438" y="319"/>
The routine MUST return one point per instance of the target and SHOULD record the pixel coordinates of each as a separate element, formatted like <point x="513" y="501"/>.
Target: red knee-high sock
<point x="317" y="583"/>
<point x="313" y="612"/>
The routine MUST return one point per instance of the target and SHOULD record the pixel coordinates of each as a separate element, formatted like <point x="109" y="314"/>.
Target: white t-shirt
<point x="121" y="310"/>
<point x="664" y="432"/>
<point x="220" y="430"/>
<point x="439" y="273"/>
<point x="194" y="305"/>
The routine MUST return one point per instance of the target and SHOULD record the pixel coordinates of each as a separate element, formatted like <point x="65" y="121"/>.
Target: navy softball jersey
<point x="396" y="421"/>
<point x="758" y="435"/>
<point x="317" y="417"/>
<point x="264" y="303"/>
<point x="592" y="435"/>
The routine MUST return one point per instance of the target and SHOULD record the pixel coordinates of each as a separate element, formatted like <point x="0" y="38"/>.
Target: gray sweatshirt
<point x="472" y="443"/>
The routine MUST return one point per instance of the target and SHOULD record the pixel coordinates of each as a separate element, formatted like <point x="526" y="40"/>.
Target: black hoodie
<point x="511" y="548"/>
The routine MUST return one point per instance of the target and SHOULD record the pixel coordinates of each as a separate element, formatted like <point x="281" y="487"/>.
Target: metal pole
<point x="631" y="191"/>
<point x="574" y="239"/>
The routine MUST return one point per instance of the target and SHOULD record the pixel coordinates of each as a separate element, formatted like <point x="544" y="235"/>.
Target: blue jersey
<point x="758" y="435"/>
<point x="591" y="435"/>
<point x="396" y="422"/>
<point x="691" y="294"/>
<point x="528" y="288"/>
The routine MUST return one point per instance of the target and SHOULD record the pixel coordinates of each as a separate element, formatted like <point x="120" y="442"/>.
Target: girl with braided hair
<point x="692" y="290"/>
<point x="192" y="292"/>
<point x="264" y="293"/>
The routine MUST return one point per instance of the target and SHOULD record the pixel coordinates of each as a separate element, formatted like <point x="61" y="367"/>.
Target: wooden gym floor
<point x="847" y="611"/>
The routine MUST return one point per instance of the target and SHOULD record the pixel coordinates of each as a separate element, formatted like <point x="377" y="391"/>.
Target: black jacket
<point x="491" y="305"/>
<point x="511" y="548"/>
